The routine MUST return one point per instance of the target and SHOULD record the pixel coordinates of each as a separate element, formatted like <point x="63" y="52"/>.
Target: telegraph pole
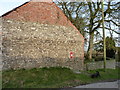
<point x="104" y="41"/>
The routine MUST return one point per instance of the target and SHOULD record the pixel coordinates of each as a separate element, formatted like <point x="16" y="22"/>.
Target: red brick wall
<point x="41" y="12"/>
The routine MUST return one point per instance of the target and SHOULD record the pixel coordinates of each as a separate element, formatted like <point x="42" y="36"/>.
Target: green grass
<point x="55" y="77"/>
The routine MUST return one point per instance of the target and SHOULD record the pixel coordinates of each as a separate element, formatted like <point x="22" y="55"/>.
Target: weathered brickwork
<point x="38" y="34"/>
<point x="42" y="12"/>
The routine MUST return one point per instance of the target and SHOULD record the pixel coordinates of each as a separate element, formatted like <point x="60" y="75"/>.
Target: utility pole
<point x="104" y="41"/>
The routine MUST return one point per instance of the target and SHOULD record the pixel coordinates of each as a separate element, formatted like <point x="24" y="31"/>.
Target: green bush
<point x="118" y="54"/>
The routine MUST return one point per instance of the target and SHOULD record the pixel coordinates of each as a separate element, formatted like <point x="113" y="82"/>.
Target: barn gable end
<point x="38" y="34"/>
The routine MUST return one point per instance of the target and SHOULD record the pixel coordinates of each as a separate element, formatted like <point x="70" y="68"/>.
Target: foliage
<point x="99" y="46"/>
<point x="110" y="47"/>
<point x="118" y="54"/>
<point x="110" y="43"/>
<point x="54" y="77"/>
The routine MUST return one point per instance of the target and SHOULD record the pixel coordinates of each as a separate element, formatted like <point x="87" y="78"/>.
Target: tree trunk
<point x="90" y="51"/>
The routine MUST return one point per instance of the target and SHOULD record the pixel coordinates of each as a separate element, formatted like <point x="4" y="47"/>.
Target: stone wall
<point x="0" y="44"/>
<point x="30" y="45"/>
<point x="110" y="64"/>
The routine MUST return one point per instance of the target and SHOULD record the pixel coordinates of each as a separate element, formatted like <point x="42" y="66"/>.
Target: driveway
<point x="114" y="84"/>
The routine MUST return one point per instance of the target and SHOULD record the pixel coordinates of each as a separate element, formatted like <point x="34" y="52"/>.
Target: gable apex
<point x="41" y="12"/>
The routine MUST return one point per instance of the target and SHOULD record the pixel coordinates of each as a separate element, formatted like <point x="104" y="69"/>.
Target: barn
<point x="38" y="34"/>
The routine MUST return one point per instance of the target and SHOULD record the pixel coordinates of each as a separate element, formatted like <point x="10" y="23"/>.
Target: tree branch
<point x="111" y="29"/>
<point x="112" y="22"/>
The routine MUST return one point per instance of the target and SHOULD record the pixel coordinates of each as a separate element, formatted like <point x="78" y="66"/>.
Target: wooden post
<point x="104" y="41"/>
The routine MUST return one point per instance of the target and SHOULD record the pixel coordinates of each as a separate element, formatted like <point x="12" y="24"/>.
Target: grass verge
<point x="54" y="77"/>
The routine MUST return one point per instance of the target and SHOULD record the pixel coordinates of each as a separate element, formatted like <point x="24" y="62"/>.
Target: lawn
<point x="54" y="77"/>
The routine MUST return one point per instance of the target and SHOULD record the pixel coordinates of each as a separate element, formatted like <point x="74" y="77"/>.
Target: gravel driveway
<point x="115" y="84"/>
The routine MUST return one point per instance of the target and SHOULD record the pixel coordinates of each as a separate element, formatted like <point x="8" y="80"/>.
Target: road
<point x="115" y="84"/>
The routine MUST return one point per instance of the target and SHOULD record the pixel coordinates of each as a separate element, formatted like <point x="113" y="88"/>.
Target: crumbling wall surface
<point x="34" y="45"/>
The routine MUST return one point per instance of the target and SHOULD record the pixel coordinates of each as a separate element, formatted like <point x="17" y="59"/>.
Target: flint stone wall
<point x="110" y="64"/>
<point x="0" y="44"/>
<point x="34" y="45"/>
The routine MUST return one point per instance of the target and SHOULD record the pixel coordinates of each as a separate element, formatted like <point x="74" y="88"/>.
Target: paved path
<point x="114" y="84"/>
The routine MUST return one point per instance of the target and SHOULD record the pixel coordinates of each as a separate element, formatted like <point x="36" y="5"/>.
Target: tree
<point x="72" y="11"/>
<point x="110" y="47"/>
<point x="91" y="13"/>
<point x="96" y="20"/>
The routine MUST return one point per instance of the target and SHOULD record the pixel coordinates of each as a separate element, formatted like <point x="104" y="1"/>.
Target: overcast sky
<point x="7" y="5"/>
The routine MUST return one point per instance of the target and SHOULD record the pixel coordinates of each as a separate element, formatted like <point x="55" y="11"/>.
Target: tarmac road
<point x="115" y="84"/>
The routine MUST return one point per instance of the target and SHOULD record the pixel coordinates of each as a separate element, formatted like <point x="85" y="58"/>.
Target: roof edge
<point x="71" y="23"/>
<point x="14" y="9"/>
<point x="50" y="1"/>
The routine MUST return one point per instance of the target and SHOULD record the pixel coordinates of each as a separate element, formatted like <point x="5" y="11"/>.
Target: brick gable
<point x="42" y="12"/>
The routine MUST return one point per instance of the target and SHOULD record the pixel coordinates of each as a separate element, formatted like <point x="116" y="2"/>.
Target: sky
<point x="7" y="5"/>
